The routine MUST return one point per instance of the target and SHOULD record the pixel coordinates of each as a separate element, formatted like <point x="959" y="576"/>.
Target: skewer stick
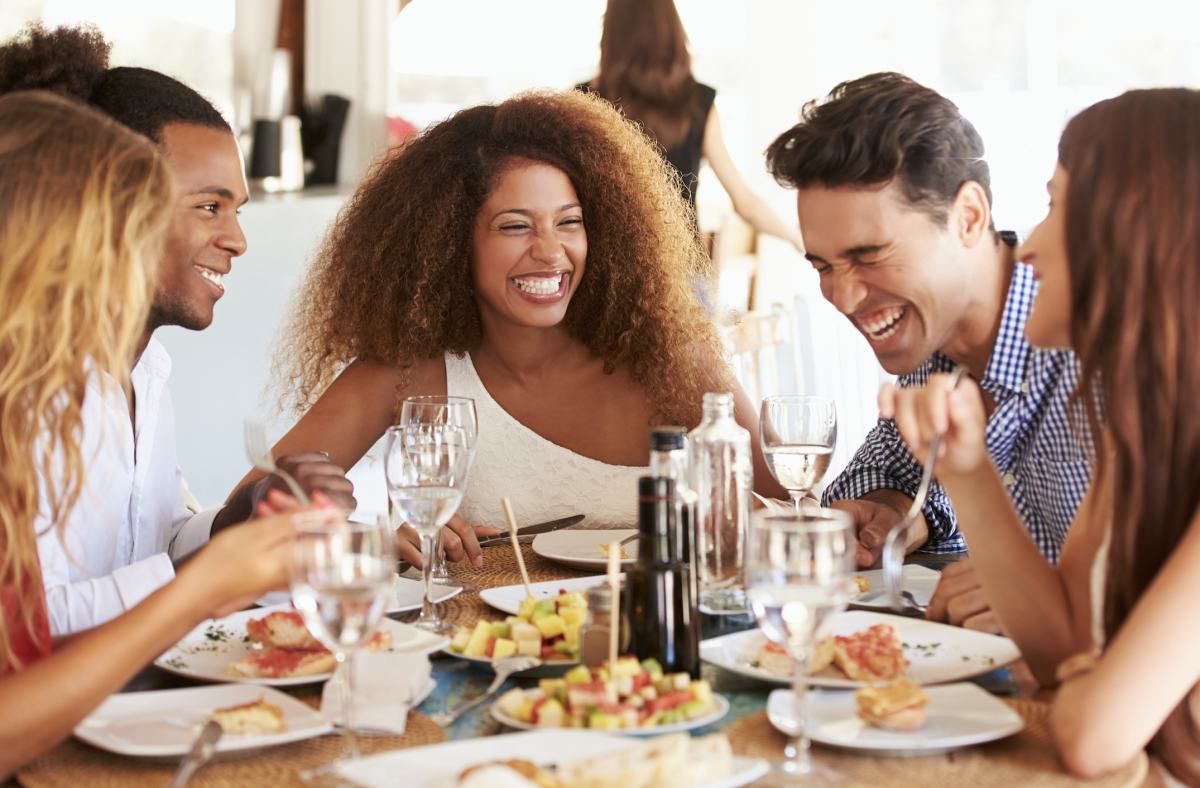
<point x="614" y="629"/>
<point x="512" y="532"/>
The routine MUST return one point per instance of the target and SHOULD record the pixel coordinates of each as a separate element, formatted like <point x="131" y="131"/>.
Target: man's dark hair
<point x="73" y="61"/>
<point x="878" y="128"/>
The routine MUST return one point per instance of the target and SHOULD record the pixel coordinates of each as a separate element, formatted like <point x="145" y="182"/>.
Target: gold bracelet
<point x="1076" y="665"/>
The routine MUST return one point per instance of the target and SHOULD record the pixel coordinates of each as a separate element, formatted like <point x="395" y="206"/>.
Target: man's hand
<point x="959" y="600"/>
<point x="460" y="540"/>
<point x="313" y="471"/>
<point x="874" y="515"/>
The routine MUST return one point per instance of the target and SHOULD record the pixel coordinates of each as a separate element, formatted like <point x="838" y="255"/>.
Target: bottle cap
<point x="668" y="438"/>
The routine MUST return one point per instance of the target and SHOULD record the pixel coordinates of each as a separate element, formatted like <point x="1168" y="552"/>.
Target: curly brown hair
<point x="392" y="282"/>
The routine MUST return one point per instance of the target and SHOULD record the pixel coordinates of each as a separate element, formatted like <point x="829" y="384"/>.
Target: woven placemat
<point x="74" y="763"/>
<point x="1026" y="759"/>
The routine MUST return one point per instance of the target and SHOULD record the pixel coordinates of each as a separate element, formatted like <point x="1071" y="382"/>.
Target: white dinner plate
<point x="720" y="709"/>
<point x="920" y="581"/>
<point x="164" y="723"/>
<point x="438" y="765"/>
<point x="508" y="598"/>
<point x="406" y="595"/>
<point x="584" y="548"/>
<point x="959" y="715"/>
<point x="938" y="653"/>
<point x="207" y="651"/>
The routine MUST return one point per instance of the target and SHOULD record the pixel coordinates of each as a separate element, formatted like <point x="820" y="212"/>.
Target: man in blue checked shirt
<point x="894" y="201"/>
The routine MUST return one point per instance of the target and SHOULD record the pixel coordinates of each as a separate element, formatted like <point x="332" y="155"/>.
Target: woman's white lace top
<point x="542" y="480"/>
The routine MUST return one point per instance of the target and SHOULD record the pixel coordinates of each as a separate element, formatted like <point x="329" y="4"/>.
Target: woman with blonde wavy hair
<point x="83" y="208"/>
<point x="537" y="256"/>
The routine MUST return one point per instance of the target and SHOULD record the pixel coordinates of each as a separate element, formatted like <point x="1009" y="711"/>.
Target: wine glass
<point x="800" y="570"/>
<point x="426" y="461"/>
<point x="341" y="576"/>
<point x="469" y="422"/>
<point x="798" y="435"/>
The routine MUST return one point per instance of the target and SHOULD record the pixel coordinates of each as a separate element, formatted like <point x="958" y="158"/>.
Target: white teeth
<point x="884" y="325"/>
<point x="212" y="276"/>
<point x="539" y="285"/>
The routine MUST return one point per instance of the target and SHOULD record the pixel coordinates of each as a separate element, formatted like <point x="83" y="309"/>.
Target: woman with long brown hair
<point x="531" y="255"/>
<point x="1118" y="259"/>
<point x="84" y="205"/>
<point x="645" y="69"/>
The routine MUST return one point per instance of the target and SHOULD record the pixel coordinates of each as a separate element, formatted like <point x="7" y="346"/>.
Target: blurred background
<point x="1017" y="68"/>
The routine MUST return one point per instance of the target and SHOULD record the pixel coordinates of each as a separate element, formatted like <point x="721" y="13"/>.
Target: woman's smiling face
<point x="529" y="246"/>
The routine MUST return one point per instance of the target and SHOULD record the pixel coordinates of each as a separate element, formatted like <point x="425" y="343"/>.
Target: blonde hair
<point x="84" y="203"/>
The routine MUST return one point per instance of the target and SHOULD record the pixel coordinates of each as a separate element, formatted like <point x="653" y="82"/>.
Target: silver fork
<point x="259" y="454"/>
<point x="893" y="548"/>
<point x="504" y="668"/>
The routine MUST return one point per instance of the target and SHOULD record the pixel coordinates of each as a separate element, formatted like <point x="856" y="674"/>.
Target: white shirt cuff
<point x="139" y="580"/>
<point x="194" y="534"/>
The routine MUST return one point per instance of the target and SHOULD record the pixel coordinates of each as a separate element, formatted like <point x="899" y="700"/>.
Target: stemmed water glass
<point x="798" y="435"/>
<point x="341" y="575"/>
<point x="426" y="461"/>
<point x="800" y="570"/>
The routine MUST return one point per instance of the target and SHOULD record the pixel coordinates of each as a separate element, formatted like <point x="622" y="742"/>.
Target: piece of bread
<point x="874" y="654"/>
<point x="513" y="773"/>
<point x="256" y="717"/>
<point x="282" y="629"/>
<point x="280" y="663"/>
<point x="862" y="584"/>
<point x="899" y="706"/>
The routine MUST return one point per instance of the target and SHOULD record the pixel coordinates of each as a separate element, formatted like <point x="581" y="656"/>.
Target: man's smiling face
<point x="889" y="267"/>
<point x="204" y="235"/>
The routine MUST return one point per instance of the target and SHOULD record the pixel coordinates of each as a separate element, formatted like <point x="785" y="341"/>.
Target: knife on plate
<point x="532" y="530"/>
<point x="202" y="751"/>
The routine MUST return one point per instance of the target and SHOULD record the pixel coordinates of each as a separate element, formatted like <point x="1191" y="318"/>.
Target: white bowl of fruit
<point x="640" y="700"/>
<point x="544" y="628"/>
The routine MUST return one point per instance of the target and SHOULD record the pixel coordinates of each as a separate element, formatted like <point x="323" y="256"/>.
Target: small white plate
<point x="406" y="595"/>
<point x="938" y="653"/>
<point x="959" y="715"/>
<point x="583" y="548"/>
<point x="721" y="708"/>
<point x="920" y="581"/>
<point x="207" y="651"/>
<point x="164" y="723"/>
<point x="438" y="765"/>
<point x="509" y="598"/>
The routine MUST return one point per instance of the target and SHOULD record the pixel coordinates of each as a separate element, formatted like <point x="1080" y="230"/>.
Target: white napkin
<point x="387" y="685"/>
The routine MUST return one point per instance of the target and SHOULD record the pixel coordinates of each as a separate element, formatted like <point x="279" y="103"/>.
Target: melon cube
<point x="550" y="625"/>
<point x="477" y="645"/>
<point x="503" y="648"/>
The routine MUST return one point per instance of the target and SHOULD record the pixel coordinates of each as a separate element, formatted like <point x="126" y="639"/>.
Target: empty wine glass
<point x="426" y="461"/>
<point x="798" y="435"/>
<point x="800" y="570"/>
<point x="341" y="575"/>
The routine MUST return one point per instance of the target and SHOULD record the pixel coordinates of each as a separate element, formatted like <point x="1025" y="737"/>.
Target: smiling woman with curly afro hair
<point x="404" y="299"/>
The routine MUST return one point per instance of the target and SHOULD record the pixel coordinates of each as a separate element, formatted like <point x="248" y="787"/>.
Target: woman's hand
<point x="460" y="540"/>
<point x="957" y="415"/>
<point x="240" y="564"/>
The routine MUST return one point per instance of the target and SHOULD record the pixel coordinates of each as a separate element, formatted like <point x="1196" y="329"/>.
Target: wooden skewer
<point x="614" y="629"/>
<point x="512" y="532"/>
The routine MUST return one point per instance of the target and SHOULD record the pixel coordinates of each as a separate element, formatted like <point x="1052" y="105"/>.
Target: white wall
<point x="219" y="375"/>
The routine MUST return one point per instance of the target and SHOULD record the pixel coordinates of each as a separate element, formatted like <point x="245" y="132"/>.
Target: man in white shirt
<point x="131" y="524"/>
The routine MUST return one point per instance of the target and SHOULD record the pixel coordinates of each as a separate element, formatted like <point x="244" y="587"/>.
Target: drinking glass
<point x="798" y="435"/>
<point x="800" y="571"/>
<point x="426" y="461"/>
<point x="341" y="575"/>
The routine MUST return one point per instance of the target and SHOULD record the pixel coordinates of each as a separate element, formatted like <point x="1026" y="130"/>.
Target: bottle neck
<point x="669" y="464"/>
<point x="656" y="516"/>
<point x="718" y="410"/>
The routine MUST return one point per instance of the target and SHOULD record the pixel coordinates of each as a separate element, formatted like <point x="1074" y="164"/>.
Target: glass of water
<point x="342" y="573"/>
<point x="800" y="570"/>
<point x="798" y="435"/>
<point x="426" y="461"/>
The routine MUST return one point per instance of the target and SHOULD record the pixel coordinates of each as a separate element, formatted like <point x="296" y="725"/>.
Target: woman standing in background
<point x="646" y="71"/>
